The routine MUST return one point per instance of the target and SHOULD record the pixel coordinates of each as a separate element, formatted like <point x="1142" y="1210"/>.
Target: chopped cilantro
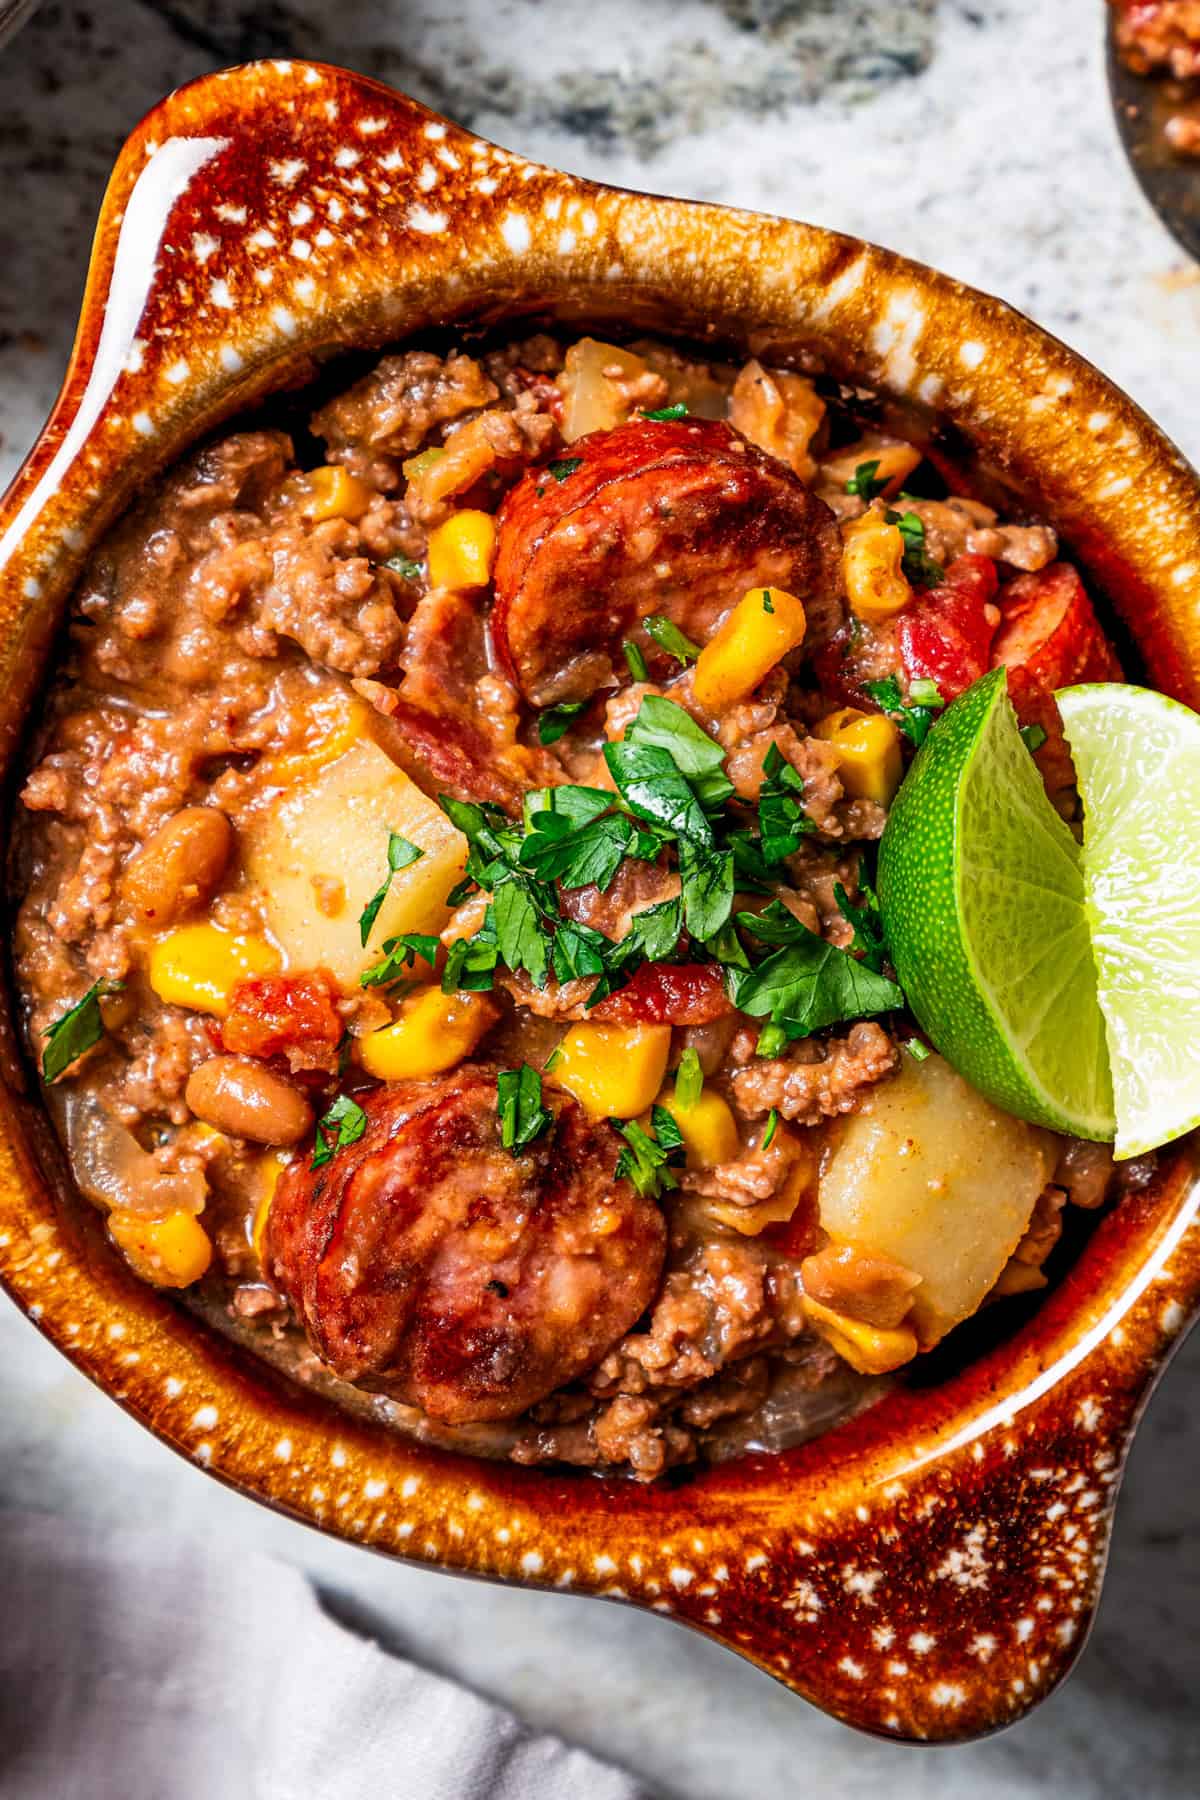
<point x="772" y="1127"/>
<point x="864" y="481"/>
<point x="81" y="1026"/>
<point x="400" y="853"/>
<point x="519" y="1107"/>
<point x="768" y="603"/>
<point x="689" y="1079"/>
<point x="654" y="932"/>
<point x="344" y="1124"/>
<point x="914" y="721"/>
<point x="564" y="467"/>
<point x="771" y="1040"/>
<point x="666" y="725"/>
<point x="635" y="660"/>
<point x="668" y="637"/>
<point x="576" y="838"/>
<point x="399" y="954"/>
<point x="920" y="1052"/>
<point x="924" y="692"/>
<point x="918" y="565"/>
<point x="868" y="925"/>
<point x="471" y="961"/>
<point x="666" y="415"/>
<point x="1033" y="737"/>
<point x="552" y="1061"/>
<point x="646" y="1158"/>
<point x="556" y="719"/>
<point x="806" y="983"/>
<point x="404" y="565"/>
<point x="782" y="820"/>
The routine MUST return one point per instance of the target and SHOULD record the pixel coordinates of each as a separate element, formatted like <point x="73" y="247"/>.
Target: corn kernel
<point x="614" y="1071"/>
<point x="333" y="493"/>
<point x="872" y="554"/>
<point x="871" y="1349"/>
<point x="198" y="965"/>
<point x="868" y="753"/>
<point x="334" y="721"/>
<point x="462" y="550"/>
<point x="764" y="625"/>
<point x="896" y="460"/>
<point x="434" y="1031"/>
<point x="270" y="1168"/>
<point x="708" y="1129"/>
<point x="171" y="1252"/>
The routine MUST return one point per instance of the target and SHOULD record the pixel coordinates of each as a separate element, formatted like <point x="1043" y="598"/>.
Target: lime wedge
<point x="1137" y="759"/>
<point x="983" y="901"/>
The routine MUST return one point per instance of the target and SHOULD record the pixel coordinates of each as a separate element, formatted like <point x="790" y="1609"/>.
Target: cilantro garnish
<point x="1033" y="737"/>
<point x="772" y="1127"/>
<point x="920" y="1052"/>
<point x="654" y="786"/>
<point x="647" y="1156"/>
<point x="663" y="723"/>
<point x="552" y="1061"/>
<point x="917" y="563"/>
<point x="782" y="820"/>
<point x="913" y="720"/>
<point x="519" y="1107"/>
<point x="404" y="565"/>
<point x="864" y="482"/>
<point x="666" y="415"/>
<point x="689" y="1079"/>
<point x="868" y="939"/>
<point x="81" y="1026"/>
<point x="565" y="466"/>
<point x="399" y="954"/>
<point x="772" y="1039"/>
<point x="575" y="837"/>
<point x="806" y="983"/>
<point x="556" y="719"/>
<point x="344" y="1123"/>
<point x="400" y="853"/>
<point x="768" y="603"/>
<point x="668" y="637"/>
<point x="635" y="661"/>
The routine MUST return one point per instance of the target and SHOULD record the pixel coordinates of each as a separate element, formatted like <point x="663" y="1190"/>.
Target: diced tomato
<point x="668" y="994"/>
<point x="284" y="1015"/>
<point x="946" y="634"/>
<point x="1049" y="628"/>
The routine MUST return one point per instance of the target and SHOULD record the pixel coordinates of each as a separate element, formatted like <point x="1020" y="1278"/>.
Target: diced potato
<point x="868" y="752"/>
<point x="434" y="1031"/>
<point x="171" y="1252"/>
<point x="763" y="627"/>
<point x="872" y="554"/>
<point x="198" y="966"/>
<point x="871" y="1349"/>
<point x="614" y="1071"/>
<point x="708" y="1128"/>
<point x="779" y="412"/>
<point x="934" y="1176"/>
<point x="896" y="460"/>
<point x="461" y="551"/>
<point x="592" y="400"/>
<point x="334" y="827"/>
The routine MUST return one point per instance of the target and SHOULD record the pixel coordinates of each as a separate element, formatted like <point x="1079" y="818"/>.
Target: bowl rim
<point x="163" y="355"/>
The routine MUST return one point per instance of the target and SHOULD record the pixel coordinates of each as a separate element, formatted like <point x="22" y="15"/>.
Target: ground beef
<point x="817" y="1081"/>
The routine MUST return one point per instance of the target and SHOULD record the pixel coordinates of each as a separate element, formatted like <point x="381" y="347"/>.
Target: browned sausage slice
<point x="431" y="1263"/>
<point x="678" y="518"/>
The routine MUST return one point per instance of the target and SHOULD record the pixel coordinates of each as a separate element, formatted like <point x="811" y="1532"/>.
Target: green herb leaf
<point x="343" y="1124"/>
<point x="565" y="466"/>
<point x="920" y="1052"/>
<point x="782" y="820"/>
<point x="689" y="1079"/>
<point x="404" y="565"/>
<point x="772" y="1040"/>
<point x="81" y="1026"/>
<point x="519" y="1107"/>
<point x="863" y="482"/>
<point x="578" y="951"/>
<point x="772" y="1128"/>
<point x="645" y="1160"/>
<point x="656" y="789"/>
<point x="519" y="936"/>
<point x="586" y="856"/>
<point x="924" y="692"/>
<point x="807" y="983"/>
<point x="708" y="884"/>
<point x="917" y="563"/>
<point x="400" y="853"/>
<point x="552" y="1061"/>
<point x="635" y="661"/>
<point x="554" y="722"/>
<point x="867" y="923"/>
<point x="471" y="961"/>
<point x="668" y="637"/>
<point x="914" y="721"/>
<point x="654" y="931"/>
<point x="399" y="954"/>
<point x="1033" y="737"/>
<point x="664" y="725"/>
<point x="666" y="415"/>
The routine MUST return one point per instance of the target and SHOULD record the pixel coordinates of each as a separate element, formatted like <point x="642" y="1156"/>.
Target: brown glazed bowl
<point x="929" y="1570"/>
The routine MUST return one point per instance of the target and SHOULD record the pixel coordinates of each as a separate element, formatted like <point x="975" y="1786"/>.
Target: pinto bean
<point x="242" y="1098"/>
<point x="180" y="865"/>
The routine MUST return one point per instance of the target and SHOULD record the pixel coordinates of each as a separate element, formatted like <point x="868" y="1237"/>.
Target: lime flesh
<point x="1137" y="759"/>
<point x="982" y="893"/>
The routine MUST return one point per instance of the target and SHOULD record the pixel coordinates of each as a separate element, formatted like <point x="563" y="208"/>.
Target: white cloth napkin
<point x="143" y="1667"/>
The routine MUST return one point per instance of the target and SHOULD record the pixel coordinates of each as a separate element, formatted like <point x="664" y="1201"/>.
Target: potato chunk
<point x="320" y="853"/>
<point x="934" y="1176"/>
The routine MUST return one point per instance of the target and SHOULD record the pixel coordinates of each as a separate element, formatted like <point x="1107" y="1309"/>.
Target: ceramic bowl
<point x="929" y="1570"/>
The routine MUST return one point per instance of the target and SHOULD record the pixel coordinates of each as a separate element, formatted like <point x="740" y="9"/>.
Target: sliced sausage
<point x="1049" y="627"/>
<point x="429" y="1262"/>
<point x="676" y="518"/>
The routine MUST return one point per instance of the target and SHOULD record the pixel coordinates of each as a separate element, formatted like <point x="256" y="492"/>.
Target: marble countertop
<point x="971" y="133"/>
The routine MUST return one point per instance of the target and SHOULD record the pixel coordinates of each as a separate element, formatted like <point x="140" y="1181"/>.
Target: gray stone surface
<point x="972" y="133"/>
